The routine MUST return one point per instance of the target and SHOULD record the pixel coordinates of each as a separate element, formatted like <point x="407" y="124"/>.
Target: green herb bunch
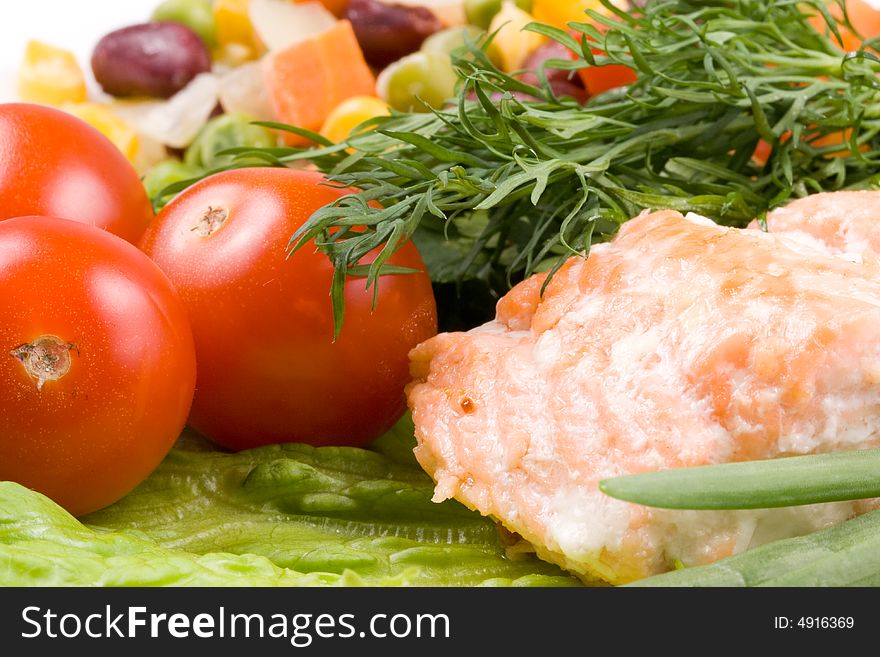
<point x="511" y="179"/>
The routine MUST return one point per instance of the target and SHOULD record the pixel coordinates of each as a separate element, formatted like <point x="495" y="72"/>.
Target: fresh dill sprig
<point x="512" y="179"/>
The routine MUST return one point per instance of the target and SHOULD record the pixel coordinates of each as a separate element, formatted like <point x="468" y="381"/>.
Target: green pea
<point x="195" y="14"/>
<point x="223" y="132"/>
<point x="164" y="173"/>
<point x="418" y="82"/>
<point x="481" y="12"/>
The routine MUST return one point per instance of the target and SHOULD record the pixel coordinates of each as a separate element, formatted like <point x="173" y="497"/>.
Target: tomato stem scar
<point x="45" y="359"/>
<point x="211" y="221"/>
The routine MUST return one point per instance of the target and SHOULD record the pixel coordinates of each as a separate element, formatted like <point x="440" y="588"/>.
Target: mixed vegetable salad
<point x="189" y="82"/>
<point x="500" y="136"/>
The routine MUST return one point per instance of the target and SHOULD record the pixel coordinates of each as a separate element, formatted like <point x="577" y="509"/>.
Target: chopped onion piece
<point x="150" y="152"/>
<point x="243" y="91"/>
<point x="279" y="23"/>
<point x="176" y="121"/>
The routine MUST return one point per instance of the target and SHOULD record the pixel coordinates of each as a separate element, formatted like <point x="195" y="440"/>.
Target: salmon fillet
<point x="681" y="343"/>
<point x="840" y="223"/>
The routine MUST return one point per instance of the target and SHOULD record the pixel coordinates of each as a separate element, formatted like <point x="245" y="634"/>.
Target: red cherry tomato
<point x="52" y="163"/>
<point x="269" y="370"/>
<point x="97" y="363"/>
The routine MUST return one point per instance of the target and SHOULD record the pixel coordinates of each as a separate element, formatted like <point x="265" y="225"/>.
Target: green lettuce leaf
<point x="280" y="515"/>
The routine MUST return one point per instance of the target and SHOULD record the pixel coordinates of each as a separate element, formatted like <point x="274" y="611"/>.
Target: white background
<point x="72" y="24"/>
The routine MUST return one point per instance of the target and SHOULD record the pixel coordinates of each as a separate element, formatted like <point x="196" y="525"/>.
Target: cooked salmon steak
<point x="842" y="223"/>
<point x="680" y="343"/>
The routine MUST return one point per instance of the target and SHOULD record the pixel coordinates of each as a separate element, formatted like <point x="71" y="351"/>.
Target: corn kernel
<point x="50" y="76"/>
<point x="350" y="113"/>
<point x="233" y="23"/>
<point x="561" y="12"/>
<point x="108" y="124"/>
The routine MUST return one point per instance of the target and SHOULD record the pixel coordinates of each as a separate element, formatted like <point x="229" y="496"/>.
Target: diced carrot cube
<point x="309" y="78"/>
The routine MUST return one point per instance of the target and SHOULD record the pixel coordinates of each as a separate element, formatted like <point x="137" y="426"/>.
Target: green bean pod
<point x="764" y="484"/>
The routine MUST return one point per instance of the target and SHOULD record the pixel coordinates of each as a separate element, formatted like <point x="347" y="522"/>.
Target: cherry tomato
<point x="52" y="163"/>
<point x="269" y="370"/>
<point x="97" y="363"/>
